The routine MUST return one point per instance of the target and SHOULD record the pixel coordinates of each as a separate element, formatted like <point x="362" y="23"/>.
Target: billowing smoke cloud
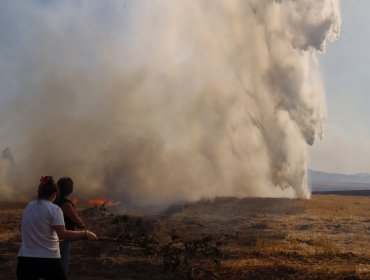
<point x="155" y="101"/>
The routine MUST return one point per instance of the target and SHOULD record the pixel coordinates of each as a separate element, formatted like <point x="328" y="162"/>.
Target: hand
<point x="90" y="235"/>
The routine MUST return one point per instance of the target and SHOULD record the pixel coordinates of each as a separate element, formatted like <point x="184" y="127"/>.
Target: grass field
<point x="326" y="237"/>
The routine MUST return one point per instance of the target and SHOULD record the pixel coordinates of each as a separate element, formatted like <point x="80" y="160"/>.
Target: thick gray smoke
<point x="155" y="101"/>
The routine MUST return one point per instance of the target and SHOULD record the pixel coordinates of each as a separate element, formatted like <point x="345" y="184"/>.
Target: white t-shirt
<point x="39" y="239"/>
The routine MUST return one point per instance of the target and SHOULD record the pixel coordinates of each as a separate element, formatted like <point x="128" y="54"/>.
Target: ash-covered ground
<point x="326" y="237"/>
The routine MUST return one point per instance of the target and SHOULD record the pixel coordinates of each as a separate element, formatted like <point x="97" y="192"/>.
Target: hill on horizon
<point x="325" y="181"/>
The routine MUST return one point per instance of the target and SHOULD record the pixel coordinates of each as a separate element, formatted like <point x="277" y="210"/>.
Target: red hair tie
<point x="43" y="179"/>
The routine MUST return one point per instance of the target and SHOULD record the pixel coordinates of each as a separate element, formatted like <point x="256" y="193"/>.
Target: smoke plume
<point x="155" y="101"/>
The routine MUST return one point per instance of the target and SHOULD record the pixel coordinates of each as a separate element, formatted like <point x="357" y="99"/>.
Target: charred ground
<point x="326" y="237"/>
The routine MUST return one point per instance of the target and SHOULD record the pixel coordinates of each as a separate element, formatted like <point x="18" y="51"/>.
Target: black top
<point x="68" y="222"/>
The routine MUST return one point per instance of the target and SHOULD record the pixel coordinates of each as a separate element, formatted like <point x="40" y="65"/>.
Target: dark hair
<point x="47" y="187"/>
<point x="65" y="185"/>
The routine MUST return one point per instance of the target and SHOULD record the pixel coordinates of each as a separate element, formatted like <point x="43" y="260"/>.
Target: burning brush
<point x="99" y="202"/>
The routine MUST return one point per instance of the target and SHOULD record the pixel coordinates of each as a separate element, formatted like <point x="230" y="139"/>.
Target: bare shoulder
<point x="67" y="206"/>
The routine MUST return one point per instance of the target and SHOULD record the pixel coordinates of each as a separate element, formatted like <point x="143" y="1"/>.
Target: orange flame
<point x="103" y="202"/>
<point x="75" y="201"/>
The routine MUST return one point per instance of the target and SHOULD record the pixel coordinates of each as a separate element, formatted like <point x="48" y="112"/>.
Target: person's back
<point x="39" y="255"/>
<point x="38" y="238"/>
<point x="62" y="203"/>
<point x="71" y="217"/>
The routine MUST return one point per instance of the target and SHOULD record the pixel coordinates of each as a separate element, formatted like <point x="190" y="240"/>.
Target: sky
<point x="345" y="147"/>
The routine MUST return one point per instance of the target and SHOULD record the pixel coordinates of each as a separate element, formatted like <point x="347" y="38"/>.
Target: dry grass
<point x="329" y="206"/>
<point x="8" y="236"/>
<point x="323" y="245"/>
<point x="326" y="237"/>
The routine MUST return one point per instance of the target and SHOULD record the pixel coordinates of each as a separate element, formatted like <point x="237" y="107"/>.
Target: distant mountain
<point x="323" y="181"/>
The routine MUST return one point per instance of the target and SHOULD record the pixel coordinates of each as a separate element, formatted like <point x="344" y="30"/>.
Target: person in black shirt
<point x="71" y="217"/>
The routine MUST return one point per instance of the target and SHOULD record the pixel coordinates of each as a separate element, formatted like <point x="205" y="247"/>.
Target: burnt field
<point x="326" y="237"/>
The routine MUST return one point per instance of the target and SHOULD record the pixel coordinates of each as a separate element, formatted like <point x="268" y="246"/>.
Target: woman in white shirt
<point x="41" y="228"/>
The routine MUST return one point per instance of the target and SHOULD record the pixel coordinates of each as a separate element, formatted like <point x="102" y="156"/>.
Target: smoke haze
<point x="155" y="101"/>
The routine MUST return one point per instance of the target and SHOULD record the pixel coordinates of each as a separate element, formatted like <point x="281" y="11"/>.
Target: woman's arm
<point x="71" y="213"/>
<point x="74" y="235"/>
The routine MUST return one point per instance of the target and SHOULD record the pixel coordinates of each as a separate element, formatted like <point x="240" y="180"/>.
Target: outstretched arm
<point x="74" y="235"/>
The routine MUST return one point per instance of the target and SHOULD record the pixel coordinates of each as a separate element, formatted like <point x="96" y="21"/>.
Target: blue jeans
<point x="65" y="247"/>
